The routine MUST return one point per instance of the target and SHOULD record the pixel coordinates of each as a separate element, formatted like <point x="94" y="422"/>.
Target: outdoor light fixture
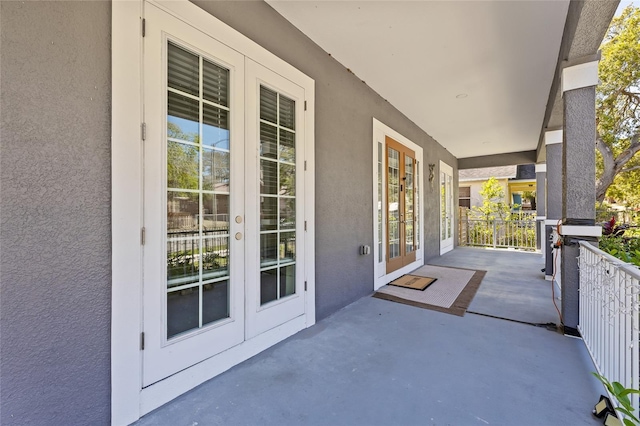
<point x="603" y="407"/>
<point x="431" y="172"/>
<point x="612" y="420"/>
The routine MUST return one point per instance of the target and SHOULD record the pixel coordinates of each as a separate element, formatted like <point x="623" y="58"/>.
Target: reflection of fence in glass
<point x="185" y="253"/>
<point x="520" y="234"/>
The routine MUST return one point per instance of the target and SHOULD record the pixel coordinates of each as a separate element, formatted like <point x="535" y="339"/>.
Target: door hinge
<point x="305" y="105"/>
<point x="305" y="165"/>
<point x="305" y="225"/>
<point x="143" y="131"/>
<point x="144" y="27"/>
<point x="142" y="341"/>
<point x="143" y="235"/>
<point x="305" y="286"/>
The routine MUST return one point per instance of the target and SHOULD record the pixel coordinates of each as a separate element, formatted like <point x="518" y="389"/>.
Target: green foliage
<point x="619" y="74"/>
<point x="493" y="205"/>
<point x="182" y="160"/>
<point x="617" y="105"/>
<point x="621" y="394"/>
<point x="529" y="195"/>
<point x="625" y="249"/>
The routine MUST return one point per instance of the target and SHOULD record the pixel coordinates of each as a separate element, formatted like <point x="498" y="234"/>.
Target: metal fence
<point x="609" y="320"/>
<point x="629" y="217"/>
<point x="511" y="233"/>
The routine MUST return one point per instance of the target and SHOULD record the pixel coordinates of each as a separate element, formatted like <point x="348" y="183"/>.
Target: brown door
<point x="400" y="196"/>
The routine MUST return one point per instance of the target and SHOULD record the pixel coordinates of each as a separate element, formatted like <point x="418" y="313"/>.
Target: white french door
<point x="447" y="213"/>
<point x="223" y="226"/>
<point x="275" y="290"/>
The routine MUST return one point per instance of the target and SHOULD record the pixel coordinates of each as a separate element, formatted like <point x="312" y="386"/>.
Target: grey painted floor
<point x="514" y="286"/>
<point x="377" y="362"/>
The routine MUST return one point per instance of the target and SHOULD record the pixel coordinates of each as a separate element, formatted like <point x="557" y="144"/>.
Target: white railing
<point x="520" y="234"/>
<point x="609" y="320"/>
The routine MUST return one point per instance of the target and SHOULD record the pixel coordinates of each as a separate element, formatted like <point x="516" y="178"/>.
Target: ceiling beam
<point x="497" y="160"/>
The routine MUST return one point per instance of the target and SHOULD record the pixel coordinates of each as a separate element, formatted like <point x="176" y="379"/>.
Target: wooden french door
<point x="400" y="204"/>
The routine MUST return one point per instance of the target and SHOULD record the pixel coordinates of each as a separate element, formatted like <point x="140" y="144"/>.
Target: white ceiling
<point x="422" y="55"/>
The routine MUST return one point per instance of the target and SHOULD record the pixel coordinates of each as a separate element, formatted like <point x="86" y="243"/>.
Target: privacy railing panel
<point x="609" y="320"/>
<point x="520" y="234"/>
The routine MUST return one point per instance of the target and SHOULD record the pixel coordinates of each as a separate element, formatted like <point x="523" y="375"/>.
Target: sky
<point x="625" y="3"/>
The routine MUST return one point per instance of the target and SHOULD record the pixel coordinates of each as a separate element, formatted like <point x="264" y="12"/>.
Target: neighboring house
<point x="471" y="181"/>
<point x="514" y="180"/>
<point x="185" y="184"/>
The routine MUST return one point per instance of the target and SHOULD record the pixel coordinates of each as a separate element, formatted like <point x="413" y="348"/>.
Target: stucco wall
<point x="55" y="213"/>
<point x="345" y="107"/>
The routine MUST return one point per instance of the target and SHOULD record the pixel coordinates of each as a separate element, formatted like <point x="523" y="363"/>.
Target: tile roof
<point x="503" y="172"/>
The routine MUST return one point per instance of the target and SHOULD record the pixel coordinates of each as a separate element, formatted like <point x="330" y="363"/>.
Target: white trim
<point x="522" y="181"/>
<point x="310" y="201"/>
<point x="164" y="391"/>
<point x="380" y="130"/>
<point x="126" y="211"/>
<point x="541" y="218"/>
<point x="446" y="248"/>
<point x="552" y="137"/>
<point x="553" y="222"/>
<point x="580" y="76"/>
<point x="581" y="231"/>
<point x="482" y="179"/>
<point x="541" y="168"/>
<point x="128" y="400"/>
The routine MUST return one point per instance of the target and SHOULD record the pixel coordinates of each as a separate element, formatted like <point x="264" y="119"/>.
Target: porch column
<point x="541" y="205"/>
<point x="579" y="79"/>
<point x="553" y="142"/>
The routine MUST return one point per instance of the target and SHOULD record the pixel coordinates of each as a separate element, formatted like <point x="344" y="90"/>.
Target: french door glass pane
<point x="215" y="127"/>
<point x="198" y="191"/>
<point x="182" y="213"/>
<point x="417" y="208"/>
<point x="183" y="70"/>
<point x="443" y="206"/>
<point x="393" y="195"/>
<point x="215" y="301"/>
<point x="380" y="200"/>
<point x="277" y="198"/>
<point x="449" y="205"/>
<point x="408" y="203"/>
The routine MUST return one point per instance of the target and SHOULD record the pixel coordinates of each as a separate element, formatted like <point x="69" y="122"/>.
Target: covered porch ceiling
<point x="481" y="77"/>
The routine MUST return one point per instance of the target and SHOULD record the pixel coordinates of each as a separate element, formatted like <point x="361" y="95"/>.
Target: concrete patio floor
<point x="377" y="362"/>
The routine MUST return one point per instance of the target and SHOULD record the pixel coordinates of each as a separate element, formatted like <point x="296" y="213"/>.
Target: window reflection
<point x="198" y="191"/>
<point x="277" y="196"/>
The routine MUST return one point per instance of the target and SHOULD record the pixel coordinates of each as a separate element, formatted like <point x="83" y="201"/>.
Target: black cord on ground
<point x="549" y="326"/>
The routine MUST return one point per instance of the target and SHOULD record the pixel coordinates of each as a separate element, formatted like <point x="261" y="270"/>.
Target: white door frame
<point x="446" y="245"/>
<point x="381" y="277"/>
<point x="129" y="400"/>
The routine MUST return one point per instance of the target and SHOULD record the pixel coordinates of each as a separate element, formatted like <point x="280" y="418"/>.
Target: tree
<point x="617" y="102"/>
<point x="182" y="160"/>
<point x="493" y="204"/>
